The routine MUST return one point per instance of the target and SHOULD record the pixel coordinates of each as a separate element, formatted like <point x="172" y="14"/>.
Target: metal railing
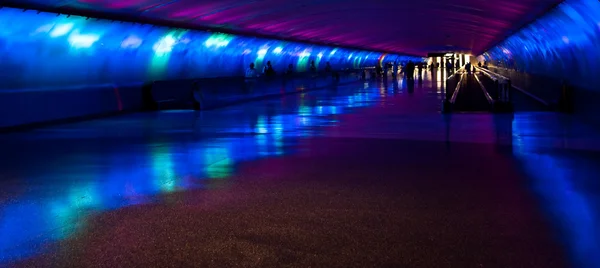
<point x="449" y="100"/>
<point x="485" y="92"/>
<point x="502" y="84"/>
<point x="542" y="88"/>
<point x="462" y="74"/>
<point x="487" y="73"/>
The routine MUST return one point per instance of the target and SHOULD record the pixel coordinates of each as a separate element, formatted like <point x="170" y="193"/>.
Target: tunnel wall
<point x="562" y="46"/>
<point x="68" y="66"/>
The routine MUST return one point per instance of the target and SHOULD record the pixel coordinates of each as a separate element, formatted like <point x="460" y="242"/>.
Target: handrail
<point x="455" y="94"/>
<point x="282" y="75"/>
<point x="520" y="89"/>
<point x="485" y="92"/>
<point x="487" y="73"/>
<point x="497" y="75"/>
<point x="461" y="69"/>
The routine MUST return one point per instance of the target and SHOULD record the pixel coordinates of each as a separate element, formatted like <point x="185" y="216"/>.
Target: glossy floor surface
<point x="367" y="175"/>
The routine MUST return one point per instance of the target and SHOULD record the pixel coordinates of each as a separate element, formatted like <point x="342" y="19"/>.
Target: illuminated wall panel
<point x="565" y="44"/>
<point x="48" y="50"/>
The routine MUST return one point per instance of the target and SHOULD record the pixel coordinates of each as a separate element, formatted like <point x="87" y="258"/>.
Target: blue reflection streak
<point x="74" y="51"/>
<point x="572" y="209"/>
<point x="565" y="43"/>
<point x="138" y="177"/>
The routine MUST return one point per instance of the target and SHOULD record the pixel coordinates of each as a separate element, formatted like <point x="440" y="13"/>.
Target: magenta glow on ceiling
<point x="400" y="26"/>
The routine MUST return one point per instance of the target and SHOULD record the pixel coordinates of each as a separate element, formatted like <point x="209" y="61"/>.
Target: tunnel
<point x="186" y="133"/>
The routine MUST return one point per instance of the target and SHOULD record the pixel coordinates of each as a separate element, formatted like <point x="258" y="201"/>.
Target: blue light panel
<point x="49" y="50"/>
<point x="565" y="43"/>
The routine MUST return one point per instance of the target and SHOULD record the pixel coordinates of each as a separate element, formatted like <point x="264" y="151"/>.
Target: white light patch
<point x="82" y="40"/>
<point x="61" y="29"/>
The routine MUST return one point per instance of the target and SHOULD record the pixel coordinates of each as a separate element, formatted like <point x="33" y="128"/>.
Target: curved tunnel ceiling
<point x="410" y="27"/>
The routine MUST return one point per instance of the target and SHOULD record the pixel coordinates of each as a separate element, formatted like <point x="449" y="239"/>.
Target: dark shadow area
<point x="471" y="97"/>
<point x="525" y="103"/>
<point x="546" y="88"/>
<point x="520" y="101"/>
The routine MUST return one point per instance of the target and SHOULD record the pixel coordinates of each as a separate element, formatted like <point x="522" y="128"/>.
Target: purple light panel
<point x="413" y="27"/>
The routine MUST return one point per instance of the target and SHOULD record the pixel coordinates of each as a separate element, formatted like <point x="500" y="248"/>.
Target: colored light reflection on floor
<point x="63" y="216"/>
<point x="162" y="166"/>
<point x="138" y="175"/>
<point x="135" y="175"/>
<point x="557" y="183"/>
<point x="218" y="163"/>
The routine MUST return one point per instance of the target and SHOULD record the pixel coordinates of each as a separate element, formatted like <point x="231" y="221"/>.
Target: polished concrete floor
<point x="368" y="175"/>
